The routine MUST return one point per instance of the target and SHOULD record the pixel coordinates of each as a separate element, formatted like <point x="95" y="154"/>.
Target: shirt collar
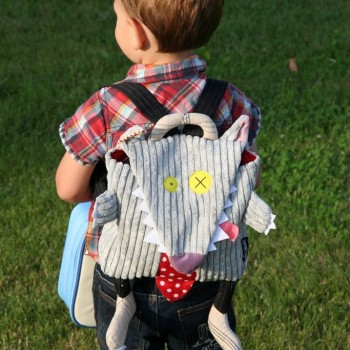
<point x="141" y="73"/>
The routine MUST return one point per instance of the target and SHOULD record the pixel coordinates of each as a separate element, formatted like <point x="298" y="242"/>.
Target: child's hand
<point x="106" y="208"/>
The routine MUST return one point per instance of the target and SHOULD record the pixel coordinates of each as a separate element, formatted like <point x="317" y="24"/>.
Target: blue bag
<point x="77" y="269"/>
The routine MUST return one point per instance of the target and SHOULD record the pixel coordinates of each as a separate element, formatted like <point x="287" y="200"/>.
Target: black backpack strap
<point x="211" y="97"/>
<point x="143" y="99"/>
<point x="208" y="102"/>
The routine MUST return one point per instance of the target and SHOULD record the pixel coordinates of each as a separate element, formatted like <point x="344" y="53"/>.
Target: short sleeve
<point x="84" y="134"/>
<point x="254" y="121"/>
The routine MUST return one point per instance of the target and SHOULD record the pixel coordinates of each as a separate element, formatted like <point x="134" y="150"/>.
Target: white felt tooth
<point x="272" y="225"/>
<point x="153" y="237"/>
<point x="143" y="207"/>
<point x="228" y="204"/>
<point x="211" y="247"/>
<point x="223" y="218"/>
<point x="219" y="235"/>
<point x="232" y="189"/>
<point x="138" y="193"/>
<point x="273" y="217"/>
<point x="161" y="249"/>
<point x="149" y="221"/>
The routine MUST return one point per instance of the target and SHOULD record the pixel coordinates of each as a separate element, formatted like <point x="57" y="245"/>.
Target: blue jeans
<point x="181" y="324"/>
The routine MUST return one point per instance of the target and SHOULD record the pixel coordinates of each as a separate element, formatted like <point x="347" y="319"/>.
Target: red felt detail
<point x="173" y="285"/>
<point x="247" y="157"/>
<point x="120" y="156"/>
<point x="230" y="229"/>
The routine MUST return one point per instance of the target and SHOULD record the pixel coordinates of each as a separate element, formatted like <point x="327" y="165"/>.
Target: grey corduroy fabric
<point x="185" y="221"/>
<point x="229" y="261"/>
<point x="123" y="252"/>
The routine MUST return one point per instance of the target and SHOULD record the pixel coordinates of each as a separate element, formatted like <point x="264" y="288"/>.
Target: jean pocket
<point x="194" y="323"/>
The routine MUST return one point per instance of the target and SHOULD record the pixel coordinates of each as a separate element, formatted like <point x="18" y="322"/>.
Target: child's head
<point x="178" y="25"/>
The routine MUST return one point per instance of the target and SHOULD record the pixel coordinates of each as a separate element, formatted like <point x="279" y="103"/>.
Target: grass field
<point x="296" y="292"/>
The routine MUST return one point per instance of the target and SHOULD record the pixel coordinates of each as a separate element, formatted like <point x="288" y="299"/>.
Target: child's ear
<point x="140" y="39"/>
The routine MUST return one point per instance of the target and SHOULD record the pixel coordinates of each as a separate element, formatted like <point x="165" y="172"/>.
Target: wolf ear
<point x="239" y="130"/>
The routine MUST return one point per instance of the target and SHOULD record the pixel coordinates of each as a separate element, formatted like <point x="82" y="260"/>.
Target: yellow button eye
<point x="200" y="182"/>
<point x="170" y="184"/>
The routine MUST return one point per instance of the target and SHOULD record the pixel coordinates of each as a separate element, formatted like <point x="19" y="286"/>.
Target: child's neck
<point x="158" y="58"/>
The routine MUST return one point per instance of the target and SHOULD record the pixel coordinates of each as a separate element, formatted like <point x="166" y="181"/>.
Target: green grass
<point x="295" y="294"/>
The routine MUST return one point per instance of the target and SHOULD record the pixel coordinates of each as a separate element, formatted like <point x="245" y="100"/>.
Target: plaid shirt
<point x="98" y="124"/>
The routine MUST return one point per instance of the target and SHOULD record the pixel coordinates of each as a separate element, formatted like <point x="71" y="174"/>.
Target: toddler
<point x="159" y="37"/>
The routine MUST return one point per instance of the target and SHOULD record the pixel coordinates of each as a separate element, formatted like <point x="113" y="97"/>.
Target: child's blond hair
<point x="178" y="25"/>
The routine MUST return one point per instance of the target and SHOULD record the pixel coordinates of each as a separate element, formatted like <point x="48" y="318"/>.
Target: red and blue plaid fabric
<point x="99" y="122"/>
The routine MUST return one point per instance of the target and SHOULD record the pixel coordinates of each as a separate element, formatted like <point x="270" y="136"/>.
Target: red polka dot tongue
<point x="173" y="285"/>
